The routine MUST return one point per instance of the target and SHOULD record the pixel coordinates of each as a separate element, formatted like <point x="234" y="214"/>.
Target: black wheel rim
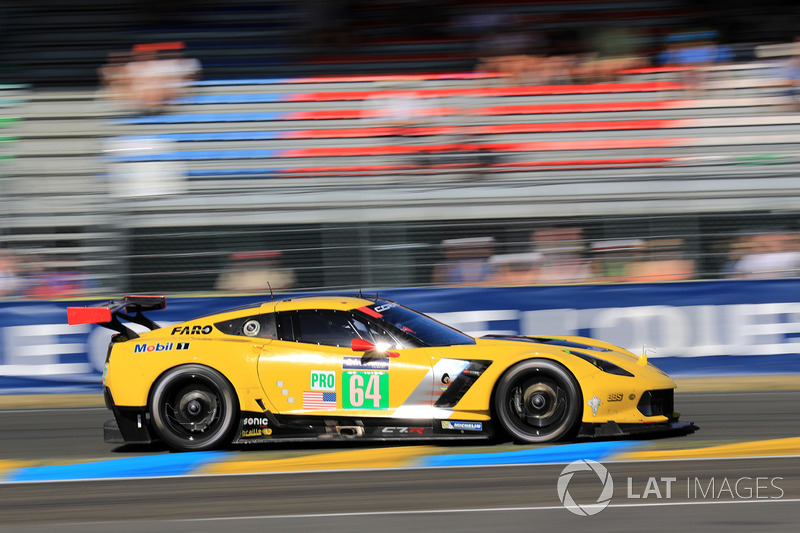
<point x="538" y="406"/>
<point x="192" y="409"/>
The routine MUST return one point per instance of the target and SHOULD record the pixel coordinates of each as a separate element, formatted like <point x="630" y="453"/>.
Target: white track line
<point x="482" y="510"/>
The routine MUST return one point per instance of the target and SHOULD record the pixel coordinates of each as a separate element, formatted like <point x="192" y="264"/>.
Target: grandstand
<point x="297" y="162"/>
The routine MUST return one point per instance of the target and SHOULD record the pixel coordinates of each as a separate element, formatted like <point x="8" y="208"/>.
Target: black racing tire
<point x="537" y="401"/>
<point x="193" y="408"/>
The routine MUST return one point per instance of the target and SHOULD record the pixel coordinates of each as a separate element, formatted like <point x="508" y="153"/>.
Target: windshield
<point x="421" y="327"/>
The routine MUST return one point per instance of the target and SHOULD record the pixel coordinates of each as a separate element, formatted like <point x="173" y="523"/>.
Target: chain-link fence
<point x="495" y="252"/>
<point x="403" y="254"/>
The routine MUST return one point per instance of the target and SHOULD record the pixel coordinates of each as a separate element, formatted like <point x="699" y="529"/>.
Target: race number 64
<point x="365" y="390"/>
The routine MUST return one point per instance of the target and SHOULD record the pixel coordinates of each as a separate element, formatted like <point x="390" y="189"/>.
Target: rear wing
<point x="108" y="314"/>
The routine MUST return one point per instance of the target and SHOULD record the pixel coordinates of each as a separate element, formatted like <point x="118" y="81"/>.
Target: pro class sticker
<point x="324" y="380"/>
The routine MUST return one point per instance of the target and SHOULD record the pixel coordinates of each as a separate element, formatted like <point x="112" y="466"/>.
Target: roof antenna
<point x="271" y="296"/>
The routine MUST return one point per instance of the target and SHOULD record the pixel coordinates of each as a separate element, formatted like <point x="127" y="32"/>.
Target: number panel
<point x="365" y="390"/>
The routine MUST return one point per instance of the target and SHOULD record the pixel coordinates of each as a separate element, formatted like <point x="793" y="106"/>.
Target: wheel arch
<point x="525" y="360"/>
<point x="186" y="364"/>
<point x="178" y="376"/>
<point x="537" y="357"/>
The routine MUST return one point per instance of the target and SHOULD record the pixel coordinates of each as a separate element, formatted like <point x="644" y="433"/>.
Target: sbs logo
<point x="585" y="465"/>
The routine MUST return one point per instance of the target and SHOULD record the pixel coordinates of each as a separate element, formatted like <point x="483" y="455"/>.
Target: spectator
<point x="512" y="47"/>
<point x="11" y="283"/>
<point x="116" y="81"/>
<point x="515" y="269"/>
<point x="791" y="77"/>
<point x="47" y="282"/>
<point x="767" y="255"/>
<point x="612" y="259"/>
<point x="613" y="48"/>
<point x="466" y="262"/>
<point x="693" y="53"/>
<point x="664" y="260"/>
<point x="562" y="255"/>
<point x="399" y="111"/>
<point x="146" y="80"/>
<point x="181" y="72"/>
<point x="257" y="271"/>
<point x="787" y="72"/>
<point x="505" y="49"/>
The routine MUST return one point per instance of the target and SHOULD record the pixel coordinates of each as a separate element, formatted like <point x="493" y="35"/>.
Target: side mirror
<point x="361" y="345"/>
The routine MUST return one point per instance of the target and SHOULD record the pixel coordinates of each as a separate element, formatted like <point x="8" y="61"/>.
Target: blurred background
<point x="198" y="146"/>
<point x="535" y="157"/>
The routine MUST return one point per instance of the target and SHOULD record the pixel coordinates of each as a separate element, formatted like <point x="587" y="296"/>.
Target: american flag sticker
<point x="319" y="401"/>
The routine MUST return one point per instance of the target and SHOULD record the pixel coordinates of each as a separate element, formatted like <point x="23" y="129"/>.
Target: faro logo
<point x="194" y="330"/>
<point x="585" y="465"/>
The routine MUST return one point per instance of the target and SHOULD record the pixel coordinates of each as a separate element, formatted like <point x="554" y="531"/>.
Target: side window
<point x="261" y="326"/>
<point x="330" y="328"/>
<point x="375" y="334"/>
<point x="284" y="324"/>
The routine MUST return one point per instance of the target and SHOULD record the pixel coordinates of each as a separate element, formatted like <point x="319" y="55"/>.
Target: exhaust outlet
<point x="350" y="432"/>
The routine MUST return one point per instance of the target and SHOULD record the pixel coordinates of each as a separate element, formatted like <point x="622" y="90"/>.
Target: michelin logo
<point x="462" y="426"/>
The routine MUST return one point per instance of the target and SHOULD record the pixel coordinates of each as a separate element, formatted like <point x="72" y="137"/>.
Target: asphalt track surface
<point x="725" y="494"/>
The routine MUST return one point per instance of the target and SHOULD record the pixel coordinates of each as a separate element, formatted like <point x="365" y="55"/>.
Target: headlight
<point x="606" y="366"/>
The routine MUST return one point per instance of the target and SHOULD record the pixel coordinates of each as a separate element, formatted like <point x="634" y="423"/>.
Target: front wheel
<point x="538" y="401"/>
<point x="193" y="408"/>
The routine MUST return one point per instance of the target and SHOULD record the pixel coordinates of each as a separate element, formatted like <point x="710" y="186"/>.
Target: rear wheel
<point x="538" y="401"/>
<point x="193" y="408"/>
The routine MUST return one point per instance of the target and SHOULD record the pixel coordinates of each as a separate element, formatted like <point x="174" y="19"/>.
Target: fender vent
<point x="462" y="383"/>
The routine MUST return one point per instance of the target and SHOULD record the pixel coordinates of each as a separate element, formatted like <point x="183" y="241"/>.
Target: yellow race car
<point x="354" y="368"/>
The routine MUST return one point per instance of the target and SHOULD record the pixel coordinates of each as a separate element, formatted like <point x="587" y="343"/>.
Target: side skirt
<point x="257" y="428"/>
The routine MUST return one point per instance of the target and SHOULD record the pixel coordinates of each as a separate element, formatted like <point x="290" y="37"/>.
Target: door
<point x="312" y="369"/>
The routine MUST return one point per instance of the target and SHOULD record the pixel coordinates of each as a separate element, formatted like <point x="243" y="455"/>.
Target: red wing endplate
<point x="88" y="315"/>
<point x="108" y="314"/>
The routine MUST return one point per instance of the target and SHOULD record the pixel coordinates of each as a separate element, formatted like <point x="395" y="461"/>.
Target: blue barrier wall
<point x="696" y="328"/>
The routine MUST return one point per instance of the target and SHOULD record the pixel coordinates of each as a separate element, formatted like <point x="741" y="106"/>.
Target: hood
<point x="591" y="350"/>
